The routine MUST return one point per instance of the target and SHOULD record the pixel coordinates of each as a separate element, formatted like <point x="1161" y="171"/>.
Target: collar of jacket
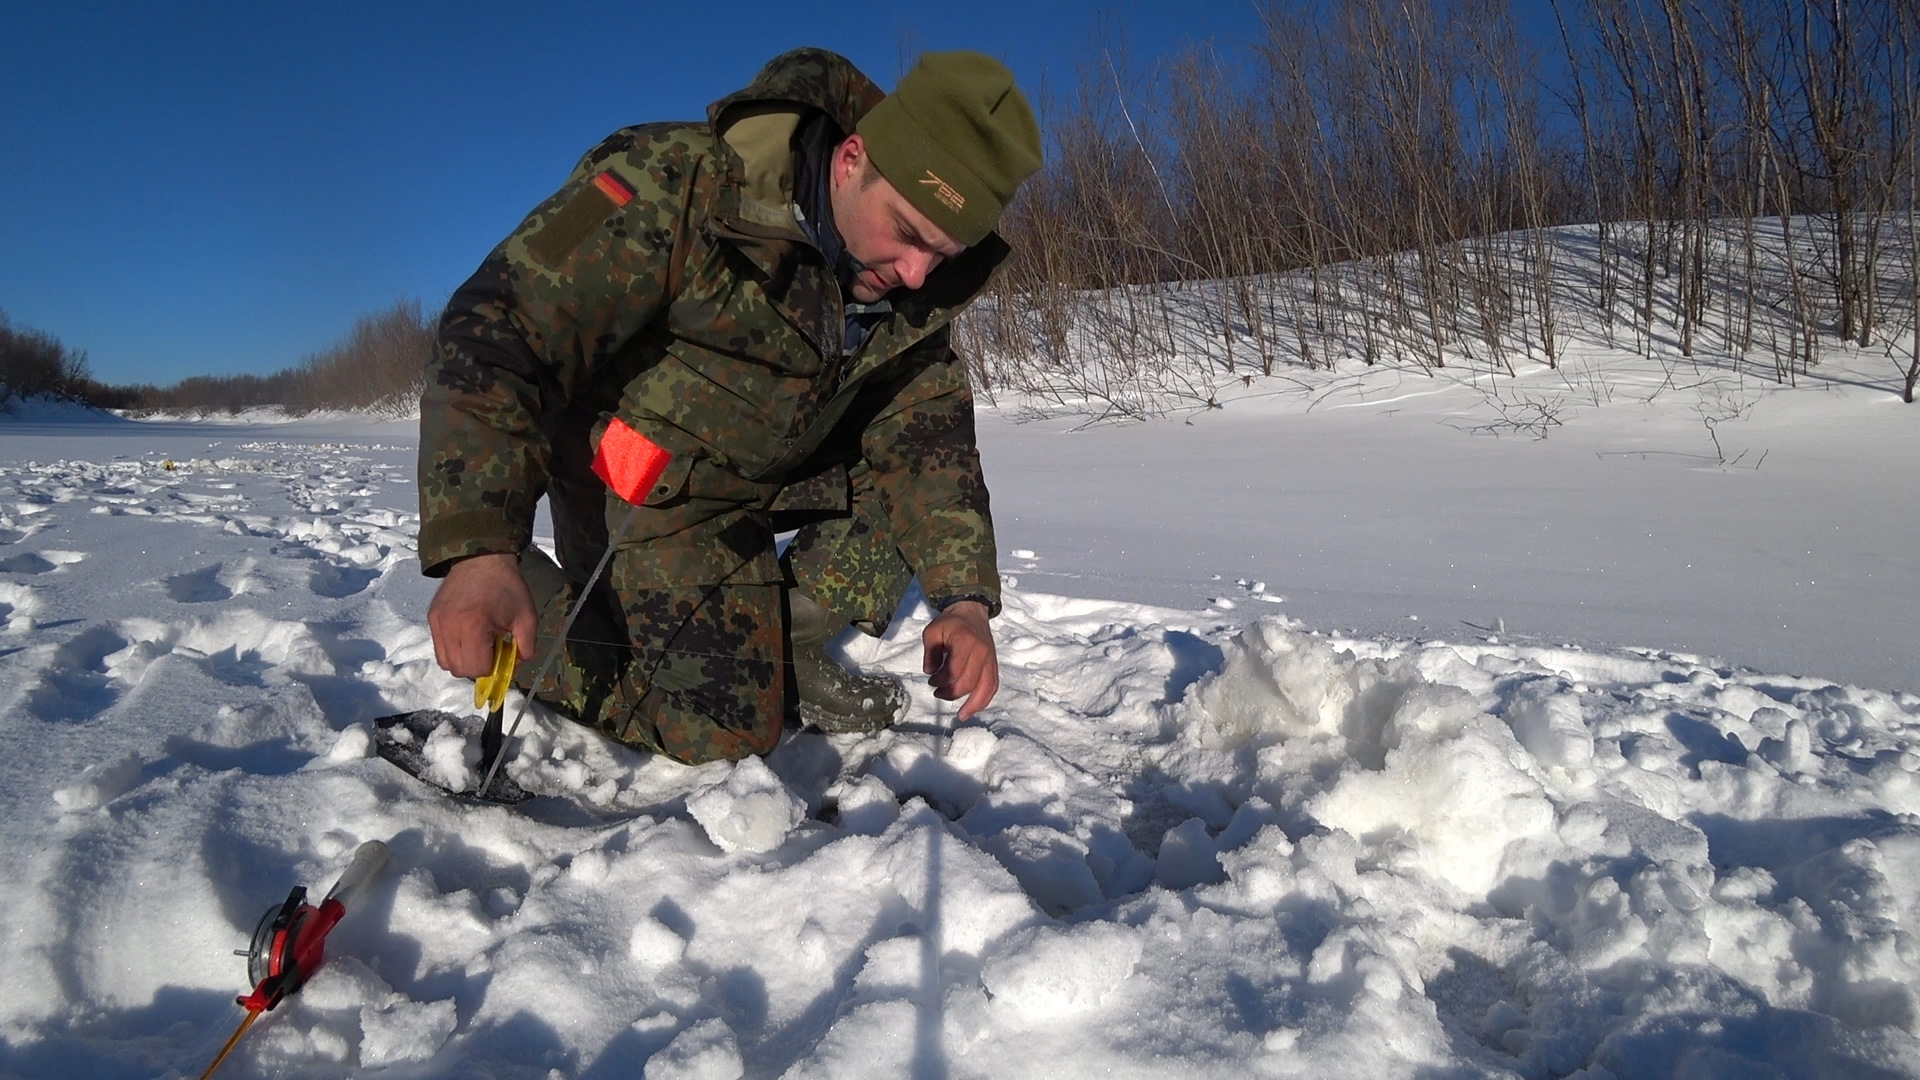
<point x="752" y="207"/>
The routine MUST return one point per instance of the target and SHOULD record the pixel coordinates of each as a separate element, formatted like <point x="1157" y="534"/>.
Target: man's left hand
<point x="959" y="657"/>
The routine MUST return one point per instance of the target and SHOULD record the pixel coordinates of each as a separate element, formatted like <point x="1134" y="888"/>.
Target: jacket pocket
<point x="671" y="487"/>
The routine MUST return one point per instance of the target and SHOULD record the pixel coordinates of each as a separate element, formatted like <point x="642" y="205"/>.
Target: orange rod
<point x="231" y="1043"/>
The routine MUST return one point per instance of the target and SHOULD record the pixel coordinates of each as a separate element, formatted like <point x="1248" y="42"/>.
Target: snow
<point x="747" y="809"/>
<point x="1373" y="511"/>
<point x="1234" y="812"/>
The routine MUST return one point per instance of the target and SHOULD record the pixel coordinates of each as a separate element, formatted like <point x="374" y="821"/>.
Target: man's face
<point x="897" y="244"/>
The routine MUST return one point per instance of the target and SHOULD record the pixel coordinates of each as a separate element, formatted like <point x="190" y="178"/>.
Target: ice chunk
<point x="750" y="810"/>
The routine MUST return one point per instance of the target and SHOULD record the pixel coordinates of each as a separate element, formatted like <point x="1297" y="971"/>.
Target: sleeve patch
<point x="613" y="188"/>
<point x="579" y="216"/>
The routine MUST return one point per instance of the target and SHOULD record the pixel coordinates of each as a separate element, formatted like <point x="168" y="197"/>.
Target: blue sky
<point x="213" y="188"/>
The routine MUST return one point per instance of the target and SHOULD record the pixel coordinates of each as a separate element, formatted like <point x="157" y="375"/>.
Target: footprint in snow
<point x="338" y="582"/>
<point x="201" y="586"/>
<point x="211" y="584"/>
<point x="39" y="562"/>
<point x="74" y="685"/>
<point x="29" y="563"/>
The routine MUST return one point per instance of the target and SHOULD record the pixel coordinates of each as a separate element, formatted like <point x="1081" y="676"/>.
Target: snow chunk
<point x="18" y="605"/>
<point x="1051" y="972"/>
<point x="705" y="1051"/>
<point x="1458" y="802"/>
<point x="750" y="810"/>
<point x="653" y="945"/>
<point x="353" y="744"/>
<point x="867" y="806"/>
<point x="893" y="968"/>
<point x="1793" y="751"/>
<point x="398" y="1029"/>
<point x="1416" y="768"/>
<point x="980" y="901"/>
<point x="1188" y="857"/>
<point x="970" y="747"/>
<point x="1049" y="864"/>
<point x="1545" y="716"/>
<point x="100" y="784"/>
<point x="450" y="757"/>
<point x="1278" y="684"/>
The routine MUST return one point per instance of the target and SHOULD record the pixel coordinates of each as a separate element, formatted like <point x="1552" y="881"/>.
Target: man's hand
<point x="958" y="654"/>
<point x="482" y="597"/>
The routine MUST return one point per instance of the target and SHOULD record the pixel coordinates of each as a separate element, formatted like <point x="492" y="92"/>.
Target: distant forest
<point x="379" y="367"/>
<point x="1748" y="167"/>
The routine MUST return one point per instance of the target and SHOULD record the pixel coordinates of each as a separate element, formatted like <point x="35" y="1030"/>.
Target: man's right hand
<point x="483" y="597"/>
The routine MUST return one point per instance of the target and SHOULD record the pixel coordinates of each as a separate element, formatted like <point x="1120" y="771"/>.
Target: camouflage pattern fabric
<point x="849" y="564"/>
<point x="667" y="283"/>
<point x="711" y="683"/>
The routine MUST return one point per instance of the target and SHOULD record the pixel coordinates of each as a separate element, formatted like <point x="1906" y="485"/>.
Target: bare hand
<point x="482" y="598"/>
<point x="958" y="655"/>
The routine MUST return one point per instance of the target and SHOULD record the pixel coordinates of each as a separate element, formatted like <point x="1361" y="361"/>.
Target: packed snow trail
<point x="1185" y="844"/>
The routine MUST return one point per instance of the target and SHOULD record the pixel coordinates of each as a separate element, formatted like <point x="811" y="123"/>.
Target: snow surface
<point x="1211" y="838"/>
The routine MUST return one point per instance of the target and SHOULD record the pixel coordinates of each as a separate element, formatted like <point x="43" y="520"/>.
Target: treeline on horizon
<point x="379" y="366"/>
<point x="1748" y="169"/>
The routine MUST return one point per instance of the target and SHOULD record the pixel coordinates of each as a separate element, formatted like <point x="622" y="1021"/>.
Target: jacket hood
<point x="796" y="81"/>
<point x="758" y="123"/>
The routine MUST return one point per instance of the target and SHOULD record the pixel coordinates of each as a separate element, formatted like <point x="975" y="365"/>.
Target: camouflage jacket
<point x="668" y="284"/>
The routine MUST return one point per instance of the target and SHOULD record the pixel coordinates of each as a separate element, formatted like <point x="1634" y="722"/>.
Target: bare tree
<point x="1384" y="182"/>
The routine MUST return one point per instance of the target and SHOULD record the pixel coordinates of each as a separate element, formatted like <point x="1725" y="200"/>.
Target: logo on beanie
<point x="944" y="192"/>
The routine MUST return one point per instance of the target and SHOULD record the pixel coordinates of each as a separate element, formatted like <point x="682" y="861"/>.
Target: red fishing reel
<point x="290" y="943"/>
<point x="288" y="946"/>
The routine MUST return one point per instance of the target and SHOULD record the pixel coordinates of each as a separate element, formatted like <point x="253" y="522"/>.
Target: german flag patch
<point x="588" y="207"/>
<point x="613" y="188"/>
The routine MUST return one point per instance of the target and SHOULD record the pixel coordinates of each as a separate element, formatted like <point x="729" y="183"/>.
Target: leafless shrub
<point x="378" y="367"/>
<point x="1384" y="183"/>
<point x="36" y="363"/>
<point x="1533" y="415"/>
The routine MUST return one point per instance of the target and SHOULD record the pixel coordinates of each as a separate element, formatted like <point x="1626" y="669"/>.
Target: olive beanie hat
<point x="956" y="138"/>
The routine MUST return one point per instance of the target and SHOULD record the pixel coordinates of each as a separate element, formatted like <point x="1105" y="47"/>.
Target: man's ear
<point x="847" y="159"/>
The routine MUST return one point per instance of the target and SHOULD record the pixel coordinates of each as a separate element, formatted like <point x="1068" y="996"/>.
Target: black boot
<point x="833" y="699"/>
